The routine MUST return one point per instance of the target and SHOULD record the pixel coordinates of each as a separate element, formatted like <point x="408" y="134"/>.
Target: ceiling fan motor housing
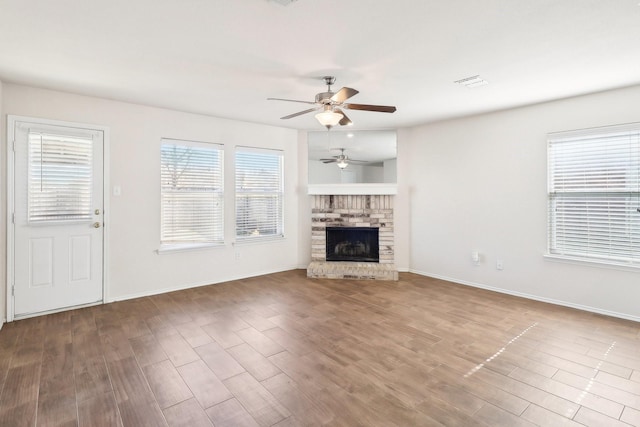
<point x="324" y="97"/>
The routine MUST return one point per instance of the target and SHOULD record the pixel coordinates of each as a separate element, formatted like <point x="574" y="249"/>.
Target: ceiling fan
<point x="342" y="160"/>
<point x="331" y="103"/>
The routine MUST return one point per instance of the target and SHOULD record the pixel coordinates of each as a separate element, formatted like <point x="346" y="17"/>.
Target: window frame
<point x="280" y="193"/>
<point x="167" y="245"/>
<point x="592" y="192"/>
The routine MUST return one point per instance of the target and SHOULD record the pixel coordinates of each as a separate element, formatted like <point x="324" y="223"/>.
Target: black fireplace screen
<point x="352" y="244"/>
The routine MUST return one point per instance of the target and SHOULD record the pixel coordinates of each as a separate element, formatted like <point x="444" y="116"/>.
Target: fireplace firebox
<point x="355" y="244"/>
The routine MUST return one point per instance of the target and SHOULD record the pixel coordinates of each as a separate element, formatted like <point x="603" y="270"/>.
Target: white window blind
<point x="60" y="178"/>
<point x="259" y="193"/>
<point x="191" y="192"/>
<point x="594" y="194"/>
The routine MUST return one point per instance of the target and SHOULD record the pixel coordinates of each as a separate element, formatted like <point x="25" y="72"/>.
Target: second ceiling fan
<point x="342" y="160"/>
<point x="331" y="103"/>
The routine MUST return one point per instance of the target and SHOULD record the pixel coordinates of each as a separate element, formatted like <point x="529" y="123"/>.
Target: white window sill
<point x="257" y="240"/>
<point x="186" y="247"/>
<point x="590" y="262"/>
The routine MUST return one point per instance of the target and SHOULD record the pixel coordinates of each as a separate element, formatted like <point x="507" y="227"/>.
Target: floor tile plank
<point x="260" y="342"/>
<point x="219" y="361"/>
<point x="205" y="386"/>
<point x="99" y="410"/>
<point x="231" y="413"/>
<point x="255" y="363"/>
<point x="167" y="384"/>
<point x="283" y="350"/>
<point x="591" y="418"/>
<point x="261" y="404"/>
<point x="187" y="414"/>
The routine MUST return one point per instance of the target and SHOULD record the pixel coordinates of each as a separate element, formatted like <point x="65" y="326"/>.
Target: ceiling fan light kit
<point x="342" y="163"/>
<point x="329" y="118"/>
<point x="331" y="102"/>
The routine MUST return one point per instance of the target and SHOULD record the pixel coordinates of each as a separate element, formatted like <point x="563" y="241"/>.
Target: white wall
<point x="134" y="267"/>
<point x="402" y="205"/>
<point x="372" y="173"/>
<point x="479" y="183"/>
<point x="304" y="207"/>
<point x="3" y="210"/>
<point x="390" y="171"/>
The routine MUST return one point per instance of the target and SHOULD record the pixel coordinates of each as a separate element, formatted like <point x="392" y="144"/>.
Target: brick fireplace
<point x="361" y="211"/>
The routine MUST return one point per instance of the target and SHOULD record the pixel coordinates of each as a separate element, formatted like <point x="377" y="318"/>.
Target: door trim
<point x="12" y="120"/>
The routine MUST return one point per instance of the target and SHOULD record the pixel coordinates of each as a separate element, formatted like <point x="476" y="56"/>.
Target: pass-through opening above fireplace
<point x="354" y="244"/>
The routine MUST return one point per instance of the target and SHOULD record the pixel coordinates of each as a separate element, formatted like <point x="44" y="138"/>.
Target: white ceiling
<point x="224" y="58"/>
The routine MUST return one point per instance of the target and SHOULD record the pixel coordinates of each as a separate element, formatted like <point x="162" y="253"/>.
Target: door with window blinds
<point x="58" y="229"/>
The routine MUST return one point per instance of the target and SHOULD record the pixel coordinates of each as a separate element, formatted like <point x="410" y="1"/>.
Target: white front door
<point x="58" y="213"/>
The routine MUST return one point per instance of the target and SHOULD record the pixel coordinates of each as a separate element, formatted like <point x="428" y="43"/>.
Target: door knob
<point x="96" y="225"/>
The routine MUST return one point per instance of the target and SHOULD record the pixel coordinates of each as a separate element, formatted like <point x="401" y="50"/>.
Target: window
<point x="259" y="193"/>
<point x="192" y="193"/>
<point x="594" y="194"/>
<point x="60" y="177"/>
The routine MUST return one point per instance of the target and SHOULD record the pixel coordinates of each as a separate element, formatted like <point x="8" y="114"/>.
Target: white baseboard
<point x="195" y="285"/>
<point x="530" y="296"/>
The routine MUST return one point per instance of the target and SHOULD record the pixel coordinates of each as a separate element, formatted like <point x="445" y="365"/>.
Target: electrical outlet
<point x="499" y="264"/>
<point x="237" y="255"/>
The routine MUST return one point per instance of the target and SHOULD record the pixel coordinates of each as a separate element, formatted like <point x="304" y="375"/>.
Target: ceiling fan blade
<point x="365" y="107"/>
<point x="289" y="100"/>
<point x="344" y="94"/>
<point x="299" y="113"/>
<point x="328" y="160"/>
<point x="345" y="121"/>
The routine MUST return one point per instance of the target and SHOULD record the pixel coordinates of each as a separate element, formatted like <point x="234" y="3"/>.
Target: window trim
<point x="601" y="260"/>
<point x="173" y="247"/>
<point x="244" y="240"/>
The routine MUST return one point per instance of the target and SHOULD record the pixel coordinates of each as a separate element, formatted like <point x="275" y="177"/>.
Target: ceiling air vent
<point x="472" y="81"/>
<point x="284" y="2"/>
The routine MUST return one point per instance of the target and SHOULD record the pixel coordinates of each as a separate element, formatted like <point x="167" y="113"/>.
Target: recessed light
<point x="472" y="81"/>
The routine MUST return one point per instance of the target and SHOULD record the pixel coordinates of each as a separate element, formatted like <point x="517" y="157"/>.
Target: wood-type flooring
<point x="283" y="350"/>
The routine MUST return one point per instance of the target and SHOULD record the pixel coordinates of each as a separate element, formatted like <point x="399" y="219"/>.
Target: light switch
<point x="117" y="191"/>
